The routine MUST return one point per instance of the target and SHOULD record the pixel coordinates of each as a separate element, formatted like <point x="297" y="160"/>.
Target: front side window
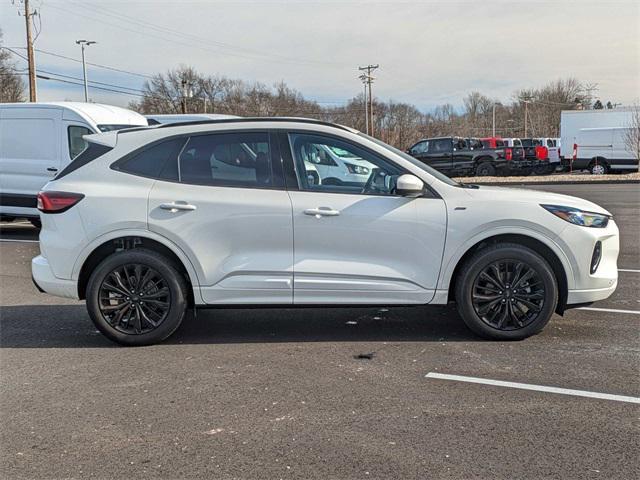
<point x="419" y="148"/>
<point x="77" y="144"/>
<point x="227" y="160"/>
<point x="355" y="171"/>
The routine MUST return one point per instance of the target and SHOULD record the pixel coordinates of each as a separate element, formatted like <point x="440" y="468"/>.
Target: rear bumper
<point x="47" y="282"/>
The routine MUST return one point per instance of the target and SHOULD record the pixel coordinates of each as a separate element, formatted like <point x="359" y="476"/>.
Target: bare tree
<point x="11" y="85"/>
<point x="632" y="133"/>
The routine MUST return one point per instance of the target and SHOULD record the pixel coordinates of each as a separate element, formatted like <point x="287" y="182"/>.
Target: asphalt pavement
<point x="320" y="393"/>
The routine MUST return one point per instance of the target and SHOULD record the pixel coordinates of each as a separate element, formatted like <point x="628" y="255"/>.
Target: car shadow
<point x="69" y="326"/>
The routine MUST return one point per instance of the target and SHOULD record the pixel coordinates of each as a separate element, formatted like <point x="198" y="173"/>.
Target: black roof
<point x="238" y="120"/>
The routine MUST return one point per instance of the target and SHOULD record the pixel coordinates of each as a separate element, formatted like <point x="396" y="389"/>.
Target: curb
<point x="562" y="182"/>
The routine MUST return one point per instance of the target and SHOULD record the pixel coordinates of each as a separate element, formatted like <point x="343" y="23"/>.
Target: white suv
<point x="148" y="222"/>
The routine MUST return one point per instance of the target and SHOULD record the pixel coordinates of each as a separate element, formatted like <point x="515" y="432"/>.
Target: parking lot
<point x="320" y="393"/>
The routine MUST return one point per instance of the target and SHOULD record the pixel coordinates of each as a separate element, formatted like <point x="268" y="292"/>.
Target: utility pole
<point x="28" y="16"/>
<point x="369" y="80"/>
<point x="526" y="113"/>
<point x="186" y="93"/>
<point x="85" y="43"/>
<point x="363" y="77"/>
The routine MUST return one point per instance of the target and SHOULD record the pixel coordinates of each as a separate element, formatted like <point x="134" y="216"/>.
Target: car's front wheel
<point x="506" y="292"/>
<point x="136" y="297"/>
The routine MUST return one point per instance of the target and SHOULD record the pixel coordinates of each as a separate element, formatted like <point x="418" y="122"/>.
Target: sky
<point x="429" y="52"/>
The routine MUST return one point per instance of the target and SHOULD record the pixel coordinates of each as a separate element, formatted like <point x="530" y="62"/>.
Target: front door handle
<point x="177" y="206"/>
<point x="322" y="212"/>
<point x="52" y="169"/>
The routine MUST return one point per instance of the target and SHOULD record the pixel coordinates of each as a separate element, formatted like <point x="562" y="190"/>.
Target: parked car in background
<point x="191" y="235"/>
<point x="572" y="121"/>
<point x="456" y="156"/>
<point x="603" y="150"/>
<point x="334" y="166"/>
<point x="39" y="139"/>
<point x="539" y="153"/>
<point x="163" y="119"/>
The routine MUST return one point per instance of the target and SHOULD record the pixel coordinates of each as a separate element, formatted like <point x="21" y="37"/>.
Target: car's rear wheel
<point x="485" y="169"/>
<point x="506" y="292"/>
<point x="136" y="297"/>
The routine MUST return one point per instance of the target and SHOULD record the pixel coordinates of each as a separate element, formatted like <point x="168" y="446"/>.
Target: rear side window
<point x="227" y="160"/>
<point x="156" y="161"/>
<point x="442" y="145"/>
<point x="77" y="144"/>
<point x="93" y="151"/>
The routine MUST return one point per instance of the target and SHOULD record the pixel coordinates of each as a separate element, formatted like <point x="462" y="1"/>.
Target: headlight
<point x="357" y="169"/>
<point x="578" y="217"/>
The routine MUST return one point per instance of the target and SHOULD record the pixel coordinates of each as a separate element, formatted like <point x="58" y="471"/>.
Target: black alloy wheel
<point x="137" y="297"/>
<point x="506" y="291"/>
<point x="508" y="295"/>
<point x="134" y="299"/>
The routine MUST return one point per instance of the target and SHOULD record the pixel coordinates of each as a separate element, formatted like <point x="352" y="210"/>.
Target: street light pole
<point x="82" y="44"/>
<point x="493" y="129"/>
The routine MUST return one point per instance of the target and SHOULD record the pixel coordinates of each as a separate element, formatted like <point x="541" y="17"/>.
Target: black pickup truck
<point x="457" y="156"/>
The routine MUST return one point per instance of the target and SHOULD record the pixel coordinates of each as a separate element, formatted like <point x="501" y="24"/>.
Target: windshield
<point x="111" y="127"/>
<point x="342" y="153"/>
<point x="440" y="176"/>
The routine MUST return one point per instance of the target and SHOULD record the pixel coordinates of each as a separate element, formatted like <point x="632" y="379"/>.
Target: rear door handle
<point x="322" y="212"/>
<point x="177" y="206"/>
<point x="52" y="169"/>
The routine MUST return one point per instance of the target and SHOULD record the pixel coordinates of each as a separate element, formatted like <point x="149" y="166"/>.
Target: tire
<point x="332" y="181"/>
<point x="478" y="299"/>
<point x="598" y="167"/>
<point x="542" y="169"/>
<point x="313" y="179"/>
<point x="485" y="169"/>
<point x="35" y="222"/>
<point x="163" y="304"/>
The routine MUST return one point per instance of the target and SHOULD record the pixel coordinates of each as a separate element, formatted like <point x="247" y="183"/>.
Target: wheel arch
<point x="543" y="249"/>
<point x="125" y="240"/>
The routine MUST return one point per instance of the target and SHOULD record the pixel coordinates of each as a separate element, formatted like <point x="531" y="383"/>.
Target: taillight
<point x="57" y="202"/>
<point x="575" y="151"/>
<point x="508" y="154"/>
<point x="542" y="153"/>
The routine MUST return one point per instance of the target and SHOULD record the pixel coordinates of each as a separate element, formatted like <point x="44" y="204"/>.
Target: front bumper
<point x="580" y="241"/>
<point x="591" y="295"/>
<point x="47" y="282"/>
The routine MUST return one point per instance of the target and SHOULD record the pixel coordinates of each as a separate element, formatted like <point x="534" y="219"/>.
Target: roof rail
<point x="238" y="120"/>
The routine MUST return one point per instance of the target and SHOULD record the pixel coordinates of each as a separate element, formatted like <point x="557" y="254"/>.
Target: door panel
<point x="239" y="240"/>
<point x="378" y="249"/>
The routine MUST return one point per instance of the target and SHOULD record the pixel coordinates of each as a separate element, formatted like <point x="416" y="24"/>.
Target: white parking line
<point x="17" y="240"/>
<point x="537" y="388"/>
<point x="610" y="310"/>
<point x="628" y="270"/>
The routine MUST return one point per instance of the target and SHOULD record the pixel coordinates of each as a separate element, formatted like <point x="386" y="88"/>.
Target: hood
<point x="508" y="194"/>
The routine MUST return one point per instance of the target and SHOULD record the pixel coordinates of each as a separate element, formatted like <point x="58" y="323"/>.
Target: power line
<point x="188" y="36"/>
<point x="189" y="44"/>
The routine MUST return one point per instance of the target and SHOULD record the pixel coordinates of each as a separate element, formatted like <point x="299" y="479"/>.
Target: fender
<point x="454" y="259"/>
<point x="135" y="232"/>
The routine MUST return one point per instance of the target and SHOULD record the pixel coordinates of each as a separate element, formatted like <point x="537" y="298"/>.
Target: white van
<point x="572" y="121"/>
<point x="602" y="150"/>
<point x="39" y="139"/>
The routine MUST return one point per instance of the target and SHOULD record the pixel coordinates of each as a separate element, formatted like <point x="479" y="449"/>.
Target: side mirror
<point x="409" y="185"/>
